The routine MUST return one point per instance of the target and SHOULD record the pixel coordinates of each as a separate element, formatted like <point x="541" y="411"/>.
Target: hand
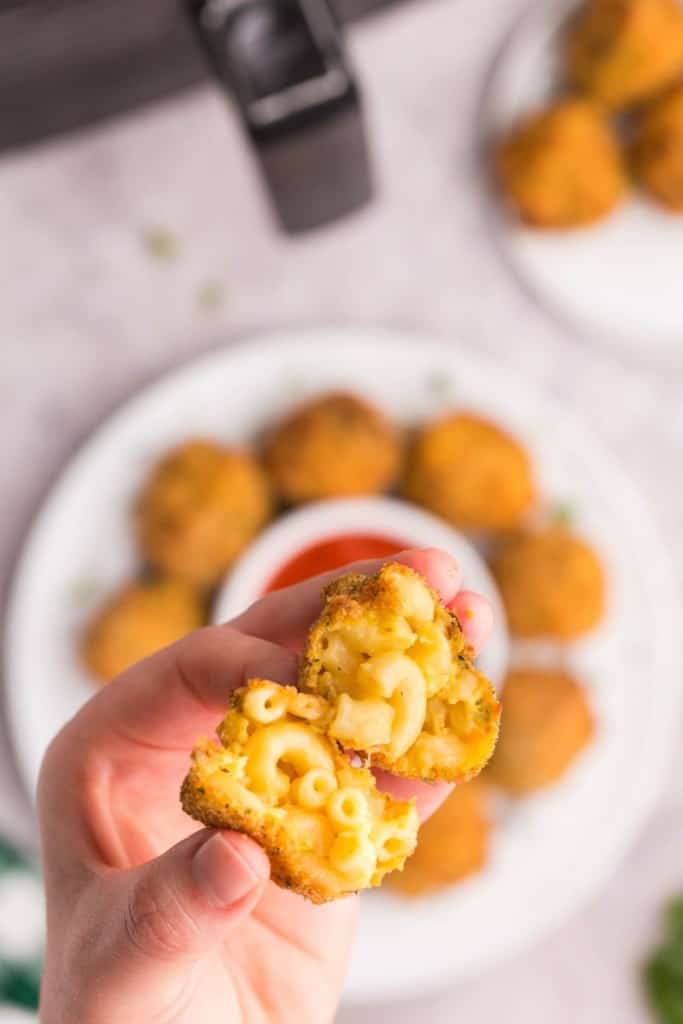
<point x="151" y="919"/>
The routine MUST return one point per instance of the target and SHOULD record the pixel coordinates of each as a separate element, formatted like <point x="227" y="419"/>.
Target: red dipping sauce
<point x="332" y="553"/>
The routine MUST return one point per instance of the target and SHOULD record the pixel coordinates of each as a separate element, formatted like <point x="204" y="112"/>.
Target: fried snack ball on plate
<point x="620" y="52"/>
<point x="453" y="843"/>
<point x="199" y="509"/>
<point x="140" y="619"/>
<point x="335" y="445"/>
<point x="552" y="584"/>
<point x="546" y="723"/>
<point x="657" y="150"/>
<point x="277" y="777"/>
<point x="561" y="167"/>
<point x="467" y="470"/>
<point x="392" y="662"/>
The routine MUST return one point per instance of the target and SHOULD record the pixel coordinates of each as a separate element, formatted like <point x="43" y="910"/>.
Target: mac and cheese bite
<point x="139" y="619"/>
<point x="393" y="665"/>
<point x="277" y="777"/>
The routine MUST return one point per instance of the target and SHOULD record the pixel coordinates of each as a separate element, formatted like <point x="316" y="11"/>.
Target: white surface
<point x="620" y="278"/>
<point x="537" y="874"/>
<point x="408" y="525"/>
<point x="87" y="317"/>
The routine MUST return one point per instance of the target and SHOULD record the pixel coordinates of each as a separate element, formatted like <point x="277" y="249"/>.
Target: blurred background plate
<point x="551" y="852"/>
<point x="619" y="280"/>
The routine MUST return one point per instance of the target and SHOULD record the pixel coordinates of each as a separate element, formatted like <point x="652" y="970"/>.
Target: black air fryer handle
<point x="284" y="64"/>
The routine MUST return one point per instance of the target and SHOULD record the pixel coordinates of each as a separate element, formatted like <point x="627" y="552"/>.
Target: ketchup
<point x="332" y="553"/>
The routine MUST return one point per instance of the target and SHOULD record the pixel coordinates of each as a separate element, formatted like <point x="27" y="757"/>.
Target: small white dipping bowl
<point x="382" y="517"/>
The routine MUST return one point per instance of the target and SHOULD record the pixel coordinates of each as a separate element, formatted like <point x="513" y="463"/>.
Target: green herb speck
<point x="440" y="385"/>
<point x="663" y="972"/>
<point x="563" y="513"/>
<point x="83" y="591"/>
<point x="161" y="244"/>
<point x="210" y="295"/>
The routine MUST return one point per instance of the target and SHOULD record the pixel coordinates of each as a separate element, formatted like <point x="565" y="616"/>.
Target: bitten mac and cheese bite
<point x="392" y="662"/>
<point x="277" y="777"/>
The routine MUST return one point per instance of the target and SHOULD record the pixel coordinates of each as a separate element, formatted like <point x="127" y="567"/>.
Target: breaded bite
<point x="199" y="509"/>
<point x="392" y="662"/>
<point x="335" y="445"/>
<point x="453" y="844"/>
<point x="546" y="723"/>
<point x="561" y="167"/>
<point x="277" y="777"/>
<point x="552" y="584"/>
<point x="469" y="471"/>
<point x="140" y="619"/>
<point x="621" y="52"/>
<point x="657" y="150"/>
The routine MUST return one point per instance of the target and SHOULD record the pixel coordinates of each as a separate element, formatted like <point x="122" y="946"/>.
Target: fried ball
<point x="552" y="584"/>
<point x="561" y="167"/>
<point x="140" y="619"/>
<point x="620" y="52"/>
<point x="277" y="777"/>
<point x="470" y="472"/>
<point x="546" y="723"/>
<point x="657" y="150"/>
<point x="199" y="509"/>
<point x="334" y="446"/>
<point x="453" y="844"/>
<point x="392" y="662"/>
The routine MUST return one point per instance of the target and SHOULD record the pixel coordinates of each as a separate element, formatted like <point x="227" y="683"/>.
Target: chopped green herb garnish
<point x="83" y="591"/>
<point x="563" y="513"/>
<point x="161" y="244"/>
<point x="210" y="295"/>
<point x="663" y="973"/>
<point x="440" y="384"/>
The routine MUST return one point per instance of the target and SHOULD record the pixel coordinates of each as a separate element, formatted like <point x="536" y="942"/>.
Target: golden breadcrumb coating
<point x="392" y="662"/>
<point x="561" y="167"/>
<point x="453" y="844"/>
<point x="621" y="52"/>
<point x="140" y="619"/>
<point x="657" y="150"/>
<point x="546" y="723"/>
<point x="277" y="777"/>
<point x="199" y="509"/>
<point x="469" y="471"/>
<point x="335" y="445"/>
<point x="552" y="584"/>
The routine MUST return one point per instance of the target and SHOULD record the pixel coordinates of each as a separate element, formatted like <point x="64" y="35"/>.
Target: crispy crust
<point x="466" y="469"/>
<point x="657" y="150"/>
<point x="197" y="801"/>
<point x="338" y="444"/>
<point x="561" y="167"/>
<point x="349" y="600"/>
<point x="139" y="619"/>
<point x="622" y="53"/>
<point x="547" y="723"/>
<point x="202" y="799"/>
<point x="200" y="507"/>
<point x="552" y="584"/>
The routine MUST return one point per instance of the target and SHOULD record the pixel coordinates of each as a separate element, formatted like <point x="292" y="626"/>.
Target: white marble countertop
<point x="86" y="316"/>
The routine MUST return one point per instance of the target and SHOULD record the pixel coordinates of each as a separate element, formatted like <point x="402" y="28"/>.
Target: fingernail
<point x="226" y="868"/>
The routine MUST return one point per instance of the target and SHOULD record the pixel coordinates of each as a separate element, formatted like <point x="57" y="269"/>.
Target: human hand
<point x="150" y="918"/>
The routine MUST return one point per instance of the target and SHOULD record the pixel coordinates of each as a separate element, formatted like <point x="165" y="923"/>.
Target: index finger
<point x="285" y="616"/>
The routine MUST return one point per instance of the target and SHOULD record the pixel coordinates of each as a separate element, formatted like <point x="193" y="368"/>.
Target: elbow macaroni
<point x="387" y="674"/>
<point x="392" y="662"/>
<point x="279" y="777"/>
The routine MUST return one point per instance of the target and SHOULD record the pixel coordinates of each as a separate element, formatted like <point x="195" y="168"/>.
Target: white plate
<point x="552" y="852"/>
<point x="620" y="278"/>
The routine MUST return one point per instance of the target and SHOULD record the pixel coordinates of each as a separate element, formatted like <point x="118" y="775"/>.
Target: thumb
<point x="187" y="900"/>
